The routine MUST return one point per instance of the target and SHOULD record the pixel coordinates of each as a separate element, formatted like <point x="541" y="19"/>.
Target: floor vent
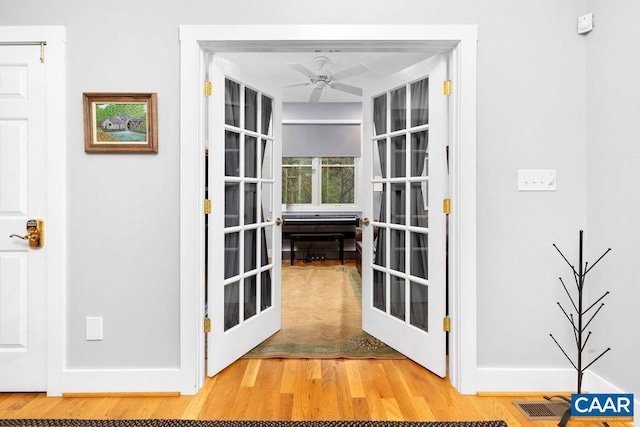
<point x="538" y="410"/>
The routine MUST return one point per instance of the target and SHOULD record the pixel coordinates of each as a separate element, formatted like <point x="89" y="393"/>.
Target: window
<point x="334" y="185"/>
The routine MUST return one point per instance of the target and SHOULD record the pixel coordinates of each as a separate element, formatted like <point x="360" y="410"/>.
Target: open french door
<point x="244" y="236"/>
<point x="403" y="282"/>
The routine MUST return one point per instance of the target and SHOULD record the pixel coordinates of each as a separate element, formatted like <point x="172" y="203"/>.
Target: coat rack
<point x="578" y="321"/>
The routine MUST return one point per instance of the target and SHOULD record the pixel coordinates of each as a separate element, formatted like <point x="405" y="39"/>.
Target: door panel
<point x="22" y="197"/>
<point x="244" y="241"/>
<point x="404" y="287"/>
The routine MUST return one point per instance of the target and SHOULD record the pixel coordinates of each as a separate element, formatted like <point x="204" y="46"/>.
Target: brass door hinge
<point x="207" y="325"/>
<point x="447" y="87"/>
<point x="446" y="206"/>
<point x="207" y="206"/>
<point x="208" y="89"/>
<point x="446" y="324"/>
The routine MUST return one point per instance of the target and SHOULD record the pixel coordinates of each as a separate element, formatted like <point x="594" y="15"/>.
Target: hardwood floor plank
<point x="353" y="376"/>
<point x="250" y="374"/>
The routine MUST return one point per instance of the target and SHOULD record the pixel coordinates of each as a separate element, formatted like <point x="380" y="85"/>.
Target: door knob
<point x="35" y="233"/>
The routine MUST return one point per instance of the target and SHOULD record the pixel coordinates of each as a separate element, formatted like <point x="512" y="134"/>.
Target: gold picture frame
<point x="120" y="122"/>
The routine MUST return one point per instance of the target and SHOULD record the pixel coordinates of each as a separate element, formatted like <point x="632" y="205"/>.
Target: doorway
<point x="449" y="39"/>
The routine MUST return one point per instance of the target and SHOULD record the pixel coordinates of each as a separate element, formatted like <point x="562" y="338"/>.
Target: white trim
<point x="461" y="40"/>
<point x="192" y="229"/>
<point x="122" y="380"/>
<point x="54" y="37"/>
<point x="526" y="380"/>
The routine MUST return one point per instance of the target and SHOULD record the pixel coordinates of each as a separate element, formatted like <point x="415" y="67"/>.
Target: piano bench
<point x="315" y="237"/>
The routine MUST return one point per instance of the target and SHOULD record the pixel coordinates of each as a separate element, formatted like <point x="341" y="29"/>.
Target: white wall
<point x="123" y="209"/>
<point x="613" y="202"/>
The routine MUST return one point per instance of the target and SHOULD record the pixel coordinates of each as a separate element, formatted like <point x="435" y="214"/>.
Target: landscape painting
<point x="124" y="122"/>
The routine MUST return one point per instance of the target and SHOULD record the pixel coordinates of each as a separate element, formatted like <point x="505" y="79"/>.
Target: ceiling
<point x="273" y="67"/>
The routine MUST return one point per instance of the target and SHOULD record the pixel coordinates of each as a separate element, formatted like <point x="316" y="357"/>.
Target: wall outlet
<point x="536" y="180"/>
<point x="94" y="328"/>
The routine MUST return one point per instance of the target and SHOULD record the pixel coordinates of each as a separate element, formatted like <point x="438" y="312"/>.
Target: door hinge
<point x="447" y="87"/>
<point x="208" y="89"/>
<point x="207" y="325"/>
<point x="446" y="206"/>
<point x="207" y="206"/>
<point x="446" y="324"/>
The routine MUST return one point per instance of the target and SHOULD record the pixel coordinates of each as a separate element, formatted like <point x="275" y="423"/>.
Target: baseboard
<point x="74" y="382"/>
<point x="513" y="380"/>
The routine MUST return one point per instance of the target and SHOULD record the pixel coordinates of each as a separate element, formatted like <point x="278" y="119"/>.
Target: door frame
<point x="459" y="45"/>
<point x="55" y="222"/>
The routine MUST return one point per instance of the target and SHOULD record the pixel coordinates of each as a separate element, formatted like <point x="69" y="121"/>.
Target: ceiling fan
<point x="324" y="78"/>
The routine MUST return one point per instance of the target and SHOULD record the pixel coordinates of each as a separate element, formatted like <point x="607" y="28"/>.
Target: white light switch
<point x="536" y="180"/>
<point x="94" y="328"/>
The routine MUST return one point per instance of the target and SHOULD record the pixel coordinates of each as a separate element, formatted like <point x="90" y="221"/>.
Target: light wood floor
<point x="293" y="389"/>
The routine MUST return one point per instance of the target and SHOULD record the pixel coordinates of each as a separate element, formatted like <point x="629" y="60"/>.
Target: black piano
<point x="310" y="228"/>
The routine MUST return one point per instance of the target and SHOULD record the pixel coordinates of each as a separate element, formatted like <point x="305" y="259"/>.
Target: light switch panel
<point x="94" y="328"/>
<point x="536" y="180"/>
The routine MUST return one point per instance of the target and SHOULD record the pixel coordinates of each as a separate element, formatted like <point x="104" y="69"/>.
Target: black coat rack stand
<point x="577" y="321"/>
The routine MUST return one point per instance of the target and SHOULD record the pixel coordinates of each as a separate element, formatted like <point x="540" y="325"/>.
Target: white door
<point x="244" y="236"/>
<point x="22" y="197"/>
<point x="403" y="283"/>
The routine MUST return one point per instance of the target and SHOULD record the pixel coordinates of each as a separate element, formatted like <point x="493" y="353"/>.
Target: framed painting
<point x="120" y="122"/>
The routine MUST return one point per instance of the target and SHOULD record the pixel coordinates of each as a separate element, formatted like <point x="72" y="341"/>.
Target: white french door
<point x="23" y="197"/>
<point x="403" y="283"/>
<point x="244" y="233"/>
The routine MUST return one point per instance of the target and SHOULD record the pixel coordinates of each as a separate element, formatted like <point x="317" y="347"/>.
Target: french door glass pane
<point x="420" y="102"/>
<point x="232" y="154"/>
<point x="231" y="204"/>
<point x="379" y="290"/>
<point x="379" y="257"/>
<point x="250" y="203"/>
<point x="398" y="205"/>
<point x="267" y="200"/>
<point x="267" y="159"/>
<point x="231" y="252"/>
<point x="250" y="109"/>
<point x="419" y="306"/>
<point x="265" y="290"/>
<point x="232" y="103"/>
<point x="380" y="115"/>
<point x="419" y="153"/>
<point x="419" y="247"/>
<point x="419" y="210"/>
<point x="250" y="297"/>
<point x="267" y="242"/>
<point x="398" y="249"/>
<point x="399" y="109"/>
<point x="398" y="157"/>
<point x="380" y="158"/>
<point x="266" y="123"/>
<point x="250" y="249"/>
<point x="231" y="305"/>
<point x="397" y="300"/>
<point x="250" y="157"/>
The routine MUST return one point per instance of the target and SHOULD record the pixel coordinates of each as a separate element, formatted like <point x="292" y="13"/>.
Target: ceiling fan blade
<point x="296" y="84"/>
<point x="350" y="72"/>
<point x="346" y="88"/>
<point x="315" y="94"/>
<point x="302" y="69"/>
